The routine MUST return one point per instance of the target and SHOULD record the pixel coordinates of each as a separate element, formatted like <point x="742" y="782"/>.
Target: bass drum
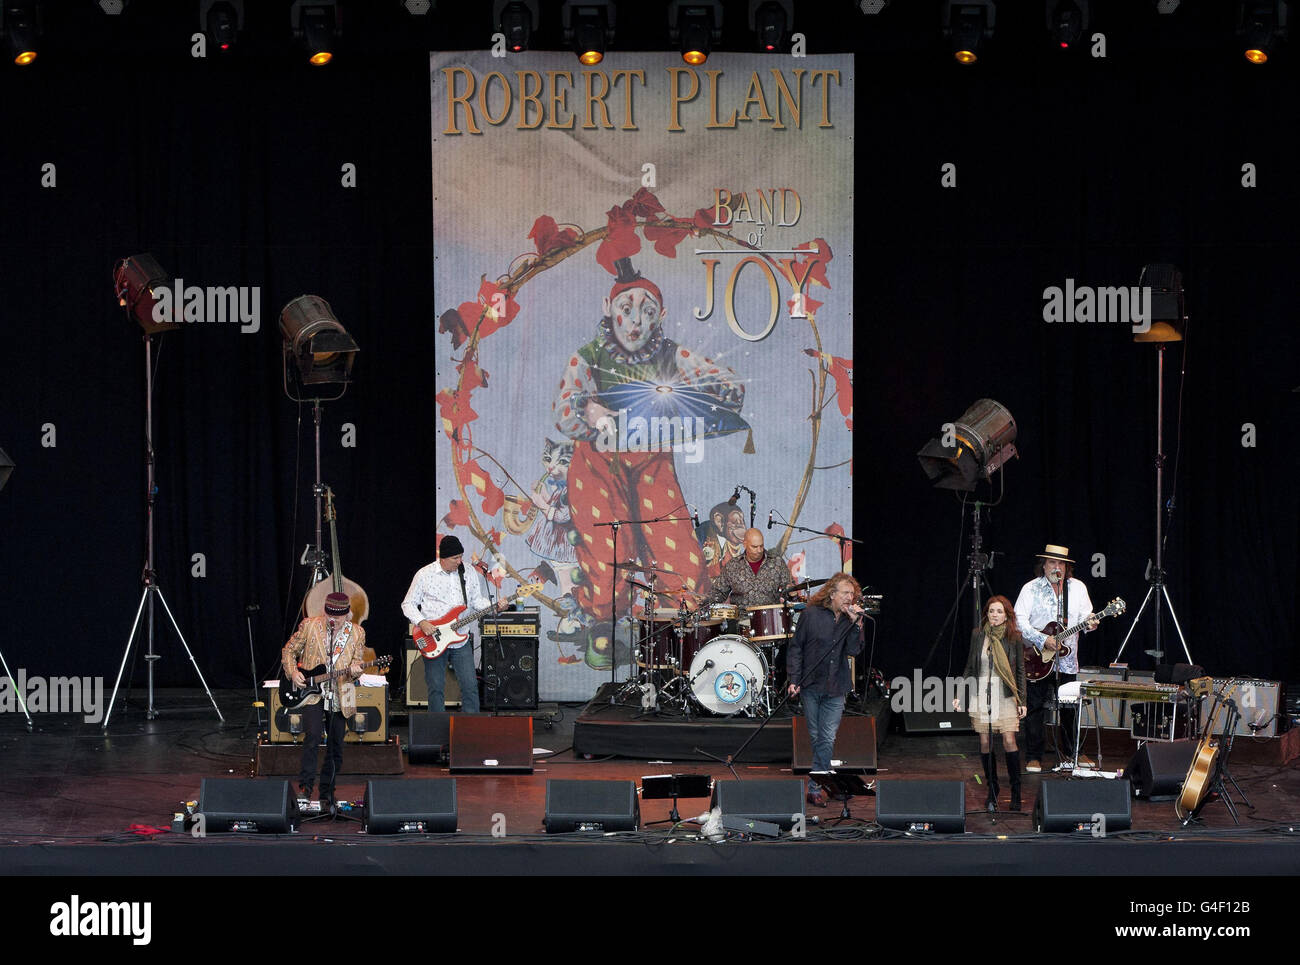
<point x="728" y="675"/>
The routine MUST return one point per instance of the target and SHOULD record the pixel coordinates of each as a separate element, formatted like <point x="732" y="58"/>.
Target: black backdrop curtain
<point x="231" y="174"/>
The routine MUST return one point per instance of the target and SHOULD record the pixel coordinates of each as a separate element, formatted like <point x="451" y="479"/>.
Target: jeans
<point x="317" y="720"/>
<point x="1040" y="692"/>
<point x="462" y="665"/>
<point x="823" y="713"/>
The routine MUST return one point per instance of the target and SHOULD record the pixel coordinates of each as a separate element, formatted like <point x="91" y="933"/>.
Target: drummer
<point x="755" y="579"/>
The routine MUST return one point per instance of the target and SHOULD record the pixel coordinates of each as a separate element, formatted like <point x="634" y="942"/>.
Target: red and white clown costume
<point x="606" y="483"/>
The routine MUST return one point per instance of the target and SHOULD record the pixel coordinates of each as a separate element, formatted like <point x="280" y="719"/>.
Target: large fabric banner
<point x="643" y="277"/>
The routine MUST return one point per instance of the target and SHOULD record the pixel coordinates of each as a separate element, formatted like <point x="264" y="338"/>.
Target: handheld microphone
<point x="769" y="518"/>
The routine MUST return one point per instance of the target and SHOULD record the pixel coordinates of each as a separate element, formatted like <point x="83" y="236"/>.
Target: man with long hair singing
<point x="829" y="632"/>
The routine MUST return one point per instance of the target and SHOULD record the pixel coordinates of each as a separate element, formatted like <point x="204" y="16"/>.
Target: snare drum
<point x="772" y="621"/>
<point x="735" y="681"/>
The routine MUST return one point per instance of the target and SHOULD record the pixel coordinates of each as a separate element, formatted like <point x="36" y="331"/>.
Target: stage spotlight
<point x="1067" y="21"/>
<point x="316" y="24"/>
<point x="588" y="28"/>
<point x="1166" y="7"/>
<point x="316" y="343"/>
<point x="872" y="7"/>
<point x="135" y="280"/>
<point x="6" y="468"/>
<point x="967" y="24"/>
<point x="112" y="8"/>
<point x="1260" y="25"/>
<point x="978" y="445"/>
<point x="417" y="8"/>
<point x="221" y="21"/>
<point x="695" y="28"/>
<point x="517" y="19"/>
<point x="770" y="20"/>
<point x="1168" y="306"/>
<point x="21" y="24"/>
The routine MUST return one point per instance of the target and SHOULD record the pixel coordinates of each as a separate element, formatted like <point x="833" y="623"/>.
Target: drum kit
<point x="722" y="659"/>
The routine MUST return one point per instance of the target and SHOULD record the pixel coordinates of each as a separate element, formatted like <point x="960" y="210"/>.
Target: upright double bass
<point x="314" y="604"/>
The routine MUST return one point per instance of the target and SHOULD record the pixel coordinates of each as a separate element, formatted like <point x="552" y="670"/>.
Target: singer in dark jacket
<point x="829" y="632"/>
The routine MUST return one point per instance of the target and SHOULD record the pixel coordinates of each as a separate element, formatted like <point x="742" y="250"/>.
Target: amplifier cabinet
<point x="1260" y="702"/>
<point x="372" y="718"/>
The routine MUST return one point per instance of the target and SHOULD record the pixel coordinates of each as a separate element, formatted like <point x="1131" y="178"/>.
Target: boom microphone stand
<point x="6" y="467"/>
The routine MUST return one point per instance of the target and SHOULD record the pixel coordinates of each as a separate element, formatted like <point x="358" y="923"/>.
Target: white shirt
<point x="434" y="591"/>
<point x="1036" y="607"/>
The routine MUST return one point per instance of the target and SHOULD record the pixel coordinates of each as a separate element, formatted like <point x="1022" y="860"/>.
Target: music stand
<point x="840" y="786"/>
<point x="659" y="787"/>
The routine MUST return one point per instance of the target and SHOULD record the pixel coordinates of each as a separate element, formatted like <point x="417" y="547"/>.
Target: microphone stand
<point x="493" y="619"/>
<point x="613" y="587"/>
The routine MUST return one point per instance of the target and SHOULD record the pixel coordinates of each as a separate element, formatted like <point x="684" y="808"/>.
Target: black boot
<point x="991" y="779"/>
<point x="1013" y="768"/>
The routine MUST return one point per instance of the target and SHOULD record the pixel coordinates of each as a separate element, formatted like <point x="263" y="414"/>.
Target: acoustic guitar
<point x="1197" y="783"/>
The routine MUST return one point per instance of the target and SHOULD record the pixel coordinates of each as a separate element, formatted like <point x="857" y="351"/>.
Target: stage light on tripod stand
<point x="136" y="281"/>
<point x="1168" y="307"/>
<point x="976" y="446"/>
<point x="315" y="343"/>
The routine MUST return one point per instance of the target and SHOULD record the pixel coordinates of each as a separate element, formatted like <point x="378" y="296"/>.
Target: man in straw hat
<point x="1055" y="595"/>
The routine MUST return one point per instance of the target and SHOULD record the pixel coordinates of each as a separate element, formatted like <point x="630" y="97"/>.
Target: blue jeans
<point x="823" y="713"/>
<point x="462" y="665"/>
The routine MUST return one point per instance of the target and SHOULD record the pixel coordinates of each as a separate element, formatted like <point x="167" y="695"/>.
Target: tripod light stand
<point x="7" y="467"/>
<point x="135" y="279"/>
<point x="1168" y="322"/>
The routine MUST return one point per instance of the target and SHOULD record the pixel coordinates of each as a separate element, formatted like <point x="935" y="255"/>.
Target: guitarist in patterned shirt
<point x="331" y="640"/>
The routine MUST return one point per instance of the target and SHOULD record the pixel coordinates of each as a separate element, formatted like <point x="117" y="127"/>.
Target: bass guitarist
<point x="333" y="641"/>
<point x="437" y="588"/>
<point x="1054" y="596"/>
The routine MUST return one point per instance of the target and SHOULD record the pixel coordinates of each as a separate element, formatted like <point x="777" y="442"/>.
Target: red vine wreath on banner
<point x="496" y="307"/>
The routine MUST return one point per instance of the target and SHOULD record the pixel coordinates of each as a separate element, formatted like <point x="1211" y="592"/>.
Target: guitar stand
<point x="1222" y="774"/>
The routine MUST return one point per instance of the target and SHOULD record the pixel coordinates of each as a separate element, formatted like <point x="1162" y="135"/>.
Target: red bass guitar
<point x="446" y="629"/>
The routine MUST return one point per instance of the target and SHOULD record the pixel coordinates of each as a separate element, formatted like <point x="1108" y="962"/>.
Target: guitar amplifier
<point x="1260" y="702"/>
<point x="525" y="622"/>
<point x="369" y="726"/>
<point x="417" y="689"/>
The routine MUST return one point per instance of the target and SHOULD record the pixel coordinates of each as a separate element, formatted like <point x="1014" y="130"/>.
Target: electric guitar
<point x="292" y="698"/>
<point x="446" y="629"/>
<point x="1038" y="666"/>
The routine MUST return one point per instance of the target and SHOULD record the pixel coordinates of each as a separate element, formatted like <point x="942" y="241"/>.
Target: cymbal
<point x="634" y="565"/>
<point x="800" y="587"/>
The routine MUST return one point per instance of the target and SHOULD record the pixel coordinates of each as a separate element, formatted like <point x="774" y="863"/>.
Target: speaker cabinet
<point x="855" y="746"/>
<point x="509" y="673"/>
<point x="591" y="806"/>
<point x="1260" y="703"/>
<point x="236" y="804"/>
<point x="430" y="738"/>
<point x="777" y="801"/>
<point x="1096" y="807"/>
<point x="938" y="806"/>
<point x="927" y="722"/>
<point x="369" y="726"/>
<point x="397" y="806"/>
<point x="1158" y="769"/>
<point x="480" y="743"/>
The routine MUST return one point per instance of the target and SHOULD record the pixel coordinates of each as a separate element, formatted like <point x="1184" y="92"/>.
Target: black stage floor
<point x="81" y="802"/>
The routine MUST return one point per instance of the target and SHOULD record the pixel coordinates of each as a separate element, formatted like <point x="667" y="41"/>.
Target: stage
<point x="79" y="802"/>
